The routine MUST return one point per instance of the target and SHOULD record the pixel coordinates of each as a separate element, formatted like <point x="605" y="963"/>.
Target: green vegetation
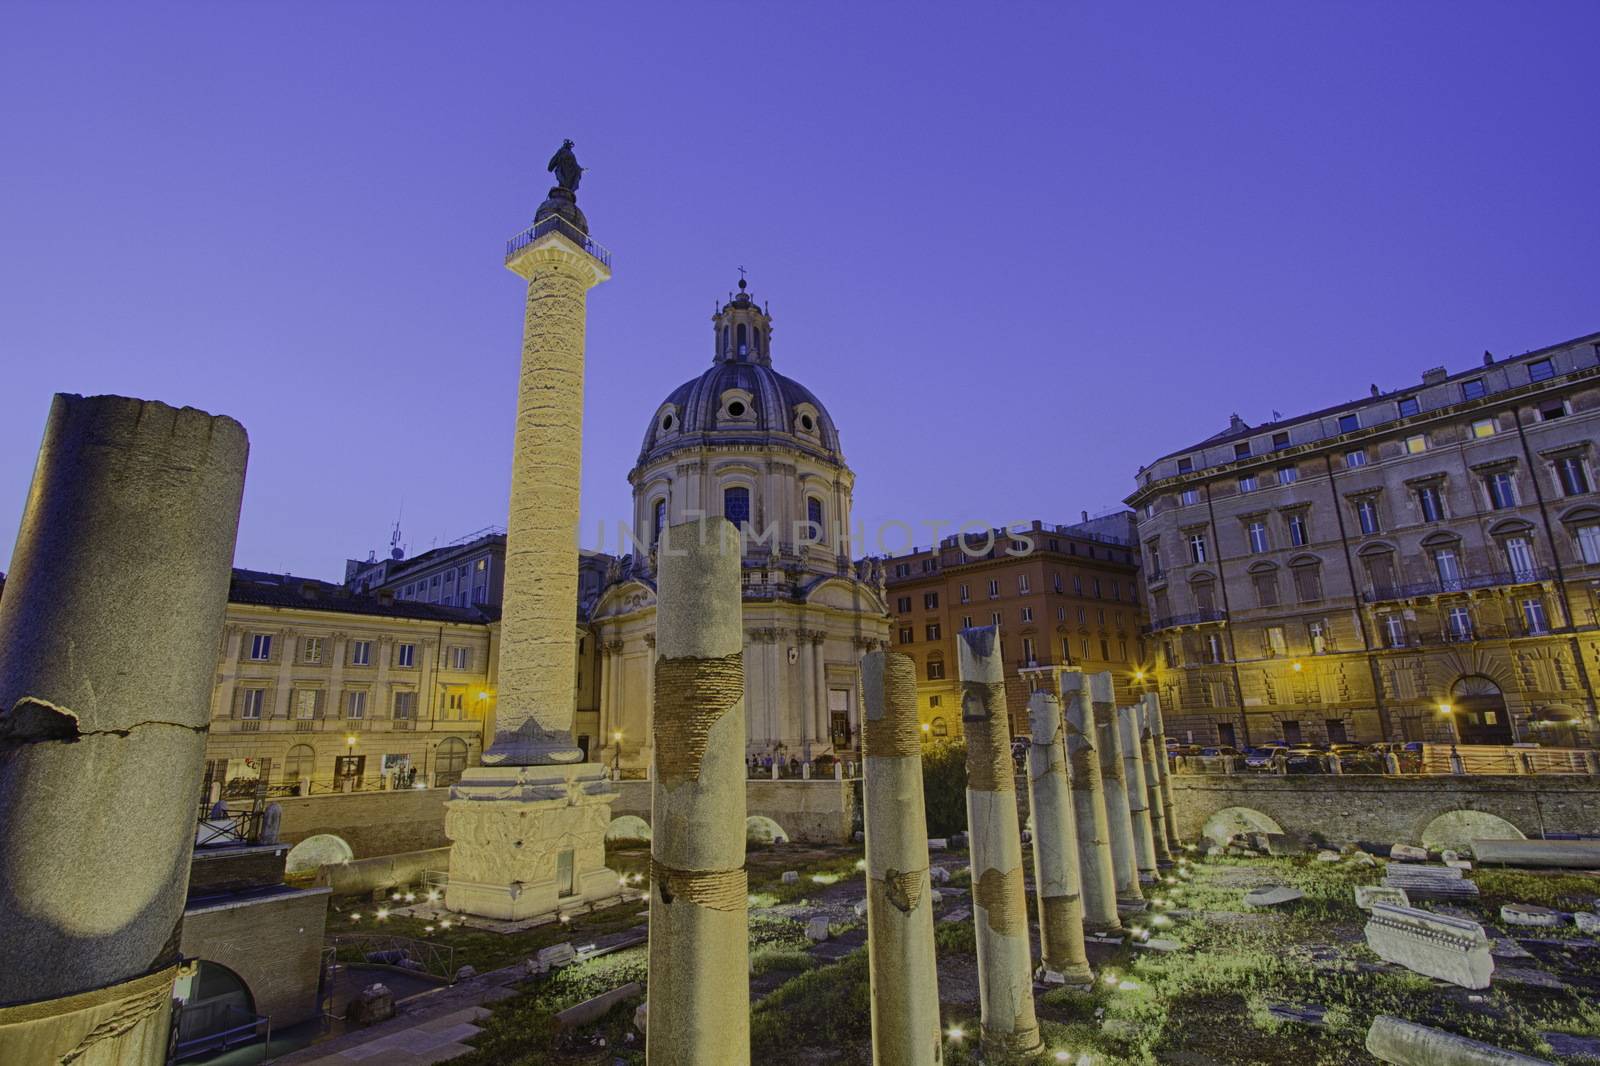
<point x="826" y="1008"/>
<point x="944" y="786"/>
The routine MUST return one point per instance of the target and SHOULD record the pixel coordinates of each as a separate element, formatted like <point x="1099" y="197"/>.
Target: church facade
<point x="747" y="443"/>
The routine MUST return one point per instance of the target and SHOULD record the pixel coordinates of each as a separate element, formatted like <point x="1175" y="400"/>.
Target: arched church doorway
<point x="1480" y="711"/>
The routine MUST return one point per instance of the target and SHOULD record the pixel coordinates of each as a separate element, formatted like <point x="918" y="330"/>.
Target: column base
<point x="529" y="841"/>
<point x="123" y="1025"/>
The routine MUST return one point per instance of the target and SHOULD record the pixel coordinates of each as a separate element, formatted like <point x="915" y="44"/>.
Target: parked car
<point x="1262" y="758"/>
<point x="1306" y="759"/>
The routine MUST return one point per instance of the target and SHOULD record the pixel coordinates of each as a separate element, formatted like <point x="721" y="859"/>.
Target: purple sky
<point x="1015" y="255"/>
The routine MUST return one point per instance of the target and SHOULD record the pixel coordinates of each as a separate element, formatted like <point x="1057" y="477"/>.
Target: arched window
<point x="814" y="517"/>
<point x="756" y="336"/>
<point x="449" y="762"/>
<point x="299" y="764"/>
<point x="736" y="505"/>
<point x="1307" y="579"/>
<point x="724" y="338"/>
<point x="743" y="346"/>
<point x="938" y="727"/>
<point x="658" y="521"/>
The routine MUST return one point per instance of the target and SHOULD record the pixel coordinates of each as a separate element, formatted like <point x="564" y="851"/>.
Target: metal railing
<point x="240" y="1027"/>
<point x="1431" y="760"/>
<point x="1189" y="619"/>
<point x="404" y="953"/>
<point x="1531" y="575"/>
<point x="557" y="224"/>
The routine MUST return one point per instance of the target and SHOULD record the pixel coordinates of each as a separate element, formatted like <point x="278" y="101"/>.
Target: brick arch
<point x="1457" y="829"/>
<point x="1230" y="821"/>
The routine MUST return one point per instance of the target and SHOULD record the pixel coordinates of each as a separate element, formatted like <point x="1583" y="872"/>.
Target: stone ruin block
<point x="1367" y="895"/>
<point x="1429" y="882"/>
<point x="1404" y="1043"/>
<point x="1435" y="945"/>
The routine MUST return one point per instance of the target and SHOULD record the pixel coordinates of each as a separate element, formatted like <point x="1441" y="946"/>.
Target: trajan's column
<point x="527" y="829"/>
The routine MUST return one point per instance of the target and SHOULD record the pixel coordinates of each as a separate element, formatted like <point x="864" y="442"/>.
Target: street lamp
<point x="1455" y="727"/>
<point x="1297" y="666"/>
<point x="616" y="759"/>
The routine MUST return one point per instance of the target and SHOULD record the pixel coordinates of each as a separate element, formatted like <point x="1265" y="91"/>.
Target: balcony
<point x="1532" y="575"/>
<point x="1190" y="619"/>
<point x="557" y="224"/>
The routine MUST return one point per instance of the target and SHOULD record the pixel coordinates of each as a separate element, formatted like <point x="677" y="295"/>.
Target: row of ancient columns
<point x="1102" y="818"/>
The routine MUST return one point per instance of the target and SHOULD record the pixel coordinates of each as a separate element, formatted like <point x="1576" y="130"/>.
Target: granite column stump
<point x="1055" y="846"/>
<point x="1095" y="867"/>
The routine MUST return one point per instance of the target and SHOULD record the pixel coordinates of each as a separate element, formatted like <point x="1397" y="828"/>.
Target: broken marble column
<point x="1055" y="846"/>
<point x="999" y="898"/>
<point x="699" y="923"/>
<point x="902" y="963"/>
<point x="1153" y="756"/>
<point x="1158" y="729"/>
<point x="1144" y="845"/>
<point x="1395" y="1040"/>
<point x="1435" y="945"/>
<point x="109" y="630"/>
<point x="1095" y="868"/>
<point x="1119" y="819"/>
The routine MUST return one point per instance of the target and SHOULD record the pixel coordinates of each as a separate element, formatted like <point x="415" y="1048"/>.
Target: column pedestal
<point x="116" y="1026"/>
<point x="509" y="828"/>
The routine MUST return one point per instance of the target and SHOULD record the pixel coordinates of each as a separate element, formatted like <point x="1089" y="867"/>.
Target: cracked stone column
<point x="1144" y="845"/>
<point x="699" y="920"/>
<point x="1095" y="867"/>
<point x="1158" y="728"/>
<point x="1055" y="845"/>
<point x="527" y="827"/>
<point x="109" y="634"/>
<point x="900" y="949"/>
<point x="1119" y="819"/>
<point x="999" y="898"/>
<point x="1153" y="757"/>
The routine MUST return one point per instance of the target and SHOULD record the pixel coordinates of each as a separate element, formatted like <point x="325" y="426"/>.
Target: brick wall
<point x="274" y="944"/>
<point x="372" y="823"/>
<point x="815" y="812"/>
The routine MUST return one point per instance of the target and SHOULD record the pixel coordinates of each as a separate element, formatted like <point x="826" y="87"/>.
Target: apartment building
<point x="1061" y="595"/>
<point x="1419" y="564"/>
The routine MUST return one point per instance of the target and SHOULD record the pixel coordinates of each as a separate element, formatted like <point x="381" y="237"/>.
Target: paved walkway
<point x="429" y="1028"/>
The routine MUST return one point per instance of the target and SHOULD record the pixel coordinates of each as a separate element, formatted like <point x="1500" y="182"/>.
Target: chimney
<point x="1235" y="423"/>
<point x="1488" y="357"/>
<point x="1375" y="391"/>
<point x="1434" y="376"/>
<point x="1085" y="515"/>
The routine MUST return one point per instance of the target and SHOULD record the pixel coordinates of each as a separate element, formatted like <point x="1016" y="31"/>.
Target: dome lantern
<point x="742" y="329"/>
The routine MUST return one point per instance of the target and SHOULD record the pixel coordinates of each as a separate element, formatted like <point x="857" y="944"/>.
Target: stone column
<point x="123" y="558"/>
<point x="1144" y="846"/>
<point x="819" y="687"/>
<point x="699" y="927"/>
<point x="1119" y="819"/>
<point x="1158" y="729"/>
<point x="1095" y="867"/>
<point x="999" y="900"/>
<point x="901" y="957"/>
<point x="1055" y="845"/>
<point x="1153" y="757"/>
<point x="538" y="656"/>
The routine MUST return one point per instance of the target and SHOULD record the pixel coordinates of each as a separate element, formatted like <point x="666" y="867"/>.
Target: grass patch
<point x="829" y="1003"/>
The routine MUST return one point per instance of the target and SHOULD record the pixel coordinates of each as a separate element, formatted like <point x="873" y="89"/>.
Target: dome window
<point x="736" y="409"/>
<point x="736" y="505"/>
<point x="744" y="348"/>
<point x="659" y="521"/>
<point x="808" y="423"/>
<point x="666" y="421"/>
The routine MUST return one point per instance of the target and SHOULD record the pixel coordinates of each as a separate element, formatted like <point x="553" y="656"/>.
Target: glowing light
<point x="565" y="919"/>
<point x="955" y="1032"/>
<point x="396" y="896"/>
<point x="350" y="741"/>
<point x="637" y="878"/>
<point x="861" y="864"/>
<point x="1161" y="921"/>
<point x="926" y="728"/>
<point x="355" y="917"/>
<point x="445" y="924"/>
<point x="824" y="879"/>
<point x="1138" y="675"/>
<point x="411" y="897"/>
<point x="1445" y="708"/>
<point x="383" y="913"/>
<point x="1127" y="986"/>
<point x="433" y="897"/>
<point x="1112" y="979"/>
<point x="1297" y="666"/>
<point x="1063" y="1056"/>
<point x="427" y="929"/>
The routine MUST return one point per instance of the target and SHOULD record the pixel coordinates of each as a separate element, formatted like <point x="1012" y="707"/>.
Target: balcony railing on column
<point x="557" y="224"/>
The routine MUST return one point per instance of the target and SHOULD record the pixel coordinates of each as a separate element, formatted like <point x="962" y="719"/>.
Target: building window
<point x="1273" y="643"/>
<point x="930" y="601"/>
<point x="1502" y="489"/>
<point x="307" y="703"/>
<point x="1028" y="654"/>
<point x="965" y="596"/>
<point x="1023" y="588"/>
<point x="254" y="699"/>
<point x="1288" y="475"/>
<point x="1096" y="582"/>
<point x="1266" y="584"/>
<point x="994" y="589"/>
<point x="1248" y="483"/>
<point x="935" y="669"/>
<point x="1185" y="465"/>
<point x="1197" y="547"/>
<point x="1349" y="423"/>
<point x="1473" y="389"/>
<point x="311" y="650"/>
<point x="1408" y="406"/>
<point x="1394" y="630"/>
<point x="1448" y="565"/>
<point x="460" y="658"/>
<point x="658" y="521"/>
<point x="1299" y="535"/>
<point x="1416" y="445"/>
<point x="931" y="631"/>
<point x="261" y="647"/>
<point x="994" y="618"/>
<point x="1459" y="624"/>
<point x="356" y="705"/>
<point x="1061" y="614"/>
<point x="1077" y="584"/>
<point x="1550" y="410"/>
<point x="1317" y="635"/>
<point x="814" y="517"/>
<point x="736" y="505"/>
<point x="1280" y="440"/>
<point x="1588" y="538"/>
<point x="1519" y="557"/>
<point x="1367" y="515"/>
<point x="902" y="604"/>
<point x="405" y="705"/>
<point x="1355" y="457"/>
<point x="1308" y="583"/>
<point x="405" y="655"/>
<point x="1241" y="450"/>
<point x="1541" y="370"/>
<point x="1574" y="479"/>
<point x="361" y="653"/>
<point x="1533" y="618"/>
<point x="456" y="702"/>
<point x="902" y="569"/>
<point x="1484" y="427"/>
<point x="1189" y="497"/>
<point x="907" y="634"/>
<point x="1153" y="555"/>
<point x="1027" y="614"/>
<point x="1430" y="503"/>
<point x="966" y="621"/>
<point x="1257" y="534"/>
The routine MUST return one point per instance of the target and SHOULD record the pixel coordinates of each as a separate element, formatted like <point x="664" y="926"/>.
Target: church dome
<point x="741" y="398"/>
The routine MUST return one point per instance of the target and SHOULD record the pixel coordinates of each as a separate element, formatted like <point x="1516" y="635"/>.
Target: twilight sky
<point x="1016" y="255"/>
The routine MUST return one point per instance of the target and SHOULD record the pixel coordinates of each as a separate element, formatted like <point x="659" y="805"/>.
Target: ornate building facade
<point x="745" y="442"/>
<point x="1420" y="564"/>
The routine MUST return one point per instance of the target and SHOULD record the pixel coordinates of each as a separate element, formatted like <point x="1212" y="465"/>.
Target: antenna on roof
<point x="396" y="551"/>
